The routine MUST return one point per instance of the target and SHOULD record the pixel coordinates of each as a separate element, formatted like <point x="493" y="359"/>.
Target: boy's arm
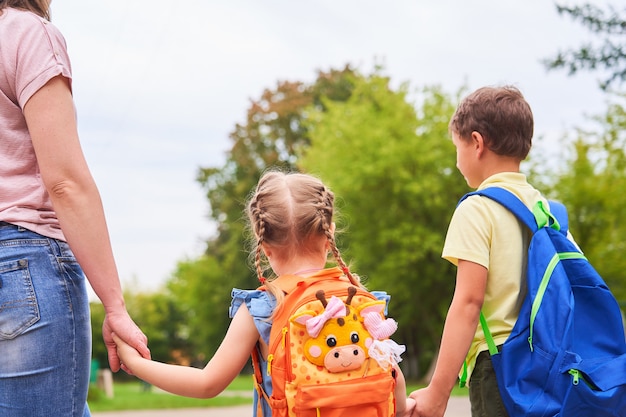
<point x="458" y="333"/>
<point x="226" y="364"/>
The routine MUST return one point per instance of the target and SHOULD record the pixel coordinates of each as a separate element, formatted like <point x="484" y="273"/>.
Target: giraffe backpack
<point x="329" y="350"/>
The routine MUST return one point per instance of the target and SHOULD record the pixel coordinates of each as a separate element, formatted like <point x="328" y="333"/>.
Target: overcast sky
<point x="160" y="85"/>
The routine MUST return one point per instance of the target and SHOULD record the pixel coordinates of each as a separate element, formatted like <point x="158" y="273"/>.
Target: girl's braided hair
<point x="291" y="212"/>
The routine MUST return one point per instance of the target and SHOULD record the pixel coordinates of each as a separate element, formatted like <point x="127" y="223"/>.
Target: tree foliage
<point x="98" y="349"/>
<point x="202" y="289"/>
<point x="610" y="54"/>
<point x="392" y="166"/>
<point x="269" y="137"/>
<point x="592" y="185"/>
<point x="158" y="314"/>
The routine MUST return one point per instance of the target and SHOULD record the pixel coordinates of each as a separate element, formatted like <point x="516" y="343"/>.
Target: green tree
<point x="99" y="350"/>
<point x="270" y="136"/>
<point x="202" y="288"/>
<point x="592" y="184"/>
<point x="394" y="170"/>
<point x="594" y="174"/>
<point x="159" y="317"/>
<point x="609" y="55"/>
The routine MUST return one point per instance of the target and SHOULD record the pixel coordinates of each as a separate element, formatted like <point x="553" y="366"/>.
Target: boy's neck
<point x="494" y="164"/>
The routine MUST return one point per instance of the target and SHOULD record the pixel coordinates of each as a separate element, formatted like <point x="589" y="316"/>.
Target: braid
<point x="325" y="210"/>
<point x="259" y="226"/>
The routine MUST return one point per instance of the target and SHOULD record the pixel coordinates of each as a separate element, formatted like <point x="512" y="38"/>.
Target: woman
<point x="52" y="228"/>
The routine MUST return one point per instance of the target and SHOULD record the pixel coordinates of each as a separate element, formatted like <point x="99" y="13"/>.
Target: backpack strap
<point x="560" y="212"/>
<point x="556" y="217"/>
<point x="257" y="379"/>
<point x="511" y="202"/>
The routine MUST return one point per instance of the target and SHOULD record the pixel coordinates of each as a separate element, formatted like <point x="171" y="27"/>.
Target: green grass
<point x="133" y="396"/>
<point x="456" y="391"/>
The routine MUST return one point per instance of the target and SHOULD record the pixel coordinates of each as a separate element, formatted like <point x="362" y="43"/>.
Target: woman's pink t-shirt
<point x="32" y="51"/>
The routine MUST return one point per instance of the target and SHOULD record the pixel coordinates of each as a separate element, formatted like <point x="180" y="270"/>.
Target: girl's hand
<point x="429" y="402"/>
<point x="410" y="407"/>
<point x="126" y="354"/>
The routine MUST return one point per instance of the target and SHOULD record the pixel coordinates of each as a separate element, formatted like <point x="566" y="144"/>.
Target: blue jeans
<point x="45" y="332"/>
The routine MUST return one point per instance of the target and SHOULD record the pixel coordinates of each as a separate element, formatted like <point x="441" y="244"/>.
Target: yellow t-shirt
<point x="484" y="232"/>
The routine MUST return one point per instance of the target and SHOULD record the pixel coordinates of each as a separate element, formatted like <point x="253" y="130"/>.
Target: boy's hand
<point x="126" y="353"/>
<point x="429" y="403"/>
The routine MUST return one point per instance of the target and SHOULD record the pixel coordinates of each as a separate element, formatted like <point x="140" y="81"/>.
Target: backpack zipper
<point x="270" y="357"/>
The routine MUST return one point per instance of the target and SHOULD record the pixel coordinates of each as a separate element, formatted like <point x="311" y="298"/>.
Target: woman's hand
<point x="128" y="334"/>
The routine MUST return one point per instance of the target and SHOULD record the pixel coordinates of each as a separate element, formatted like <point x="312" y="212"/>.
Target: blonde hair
<point x="294" y="213"/>
<point x="39" y="7"/>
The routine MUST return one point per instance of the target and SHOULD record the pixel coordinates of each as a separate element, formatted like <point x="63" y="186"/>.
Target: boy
<point x="492" y="131"/>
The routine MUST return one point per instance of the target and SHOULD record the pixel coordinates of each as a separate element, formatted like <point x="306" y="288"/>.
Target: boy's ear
<point x="479" y="143"/>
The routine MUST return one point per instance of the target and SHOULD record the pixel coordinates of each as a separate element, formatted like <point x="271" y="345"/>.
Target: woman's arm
<point x="51" y="119"/>
<point x="226" y="364"/>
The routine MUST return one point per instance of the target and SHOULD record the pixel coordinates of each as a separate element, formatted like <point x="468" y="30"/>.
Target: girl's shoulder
<point x="259" y="303"/>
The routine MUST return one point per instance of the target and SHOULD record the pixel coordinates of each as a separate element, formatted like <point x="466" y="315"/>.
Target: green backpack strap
<point x="493" y="349"/>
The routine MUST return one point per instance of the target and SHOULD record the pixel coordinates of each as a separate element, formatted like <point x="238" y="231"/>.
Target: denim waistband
<point x="5" y="225"/>
<point x="12" y="231"/>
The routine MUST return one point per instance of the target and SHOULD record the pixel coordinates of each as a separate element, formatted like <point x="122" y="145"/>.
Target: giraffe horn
<point x="320" y="296"/>
<point x="351" y="293"/>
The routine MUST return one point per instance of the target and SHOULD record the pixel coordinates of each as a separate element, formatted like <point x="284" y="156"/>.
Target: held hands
<point x="126" y="332"/>
<point x="428" y="403"/>
<point x="126" y="354"/>
<point x="408" y="411"/>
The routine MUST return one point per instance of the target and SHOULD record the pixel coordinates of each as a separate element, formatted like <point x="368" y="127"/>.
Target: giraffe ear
<point x="371" y="307"/>
<point x="300" y="319"/>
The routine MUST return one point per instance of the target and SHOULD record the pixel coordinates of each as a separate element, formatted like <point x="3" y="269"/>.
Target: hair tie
<point x="262" y="280"/>
<point x="345" y="270"/>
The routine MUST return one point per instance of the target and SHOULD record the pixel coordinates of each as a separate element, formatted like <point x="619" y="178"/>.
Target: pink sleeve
<point x="41" y="55"/>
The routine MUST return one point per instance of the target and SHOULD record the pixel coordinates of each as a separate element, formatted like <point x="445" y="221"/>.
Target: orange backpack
<point x="329" y="351"/>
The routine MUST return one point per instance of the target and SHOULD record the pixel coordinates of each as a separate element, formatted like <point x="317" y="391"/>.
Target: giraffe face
<point x="337" y="339"/>
<point x="341" y="345"/>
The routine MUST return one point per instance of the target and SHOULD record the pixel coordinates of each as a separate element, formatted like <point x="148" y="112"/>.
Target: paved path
<point x="457" y="407"/>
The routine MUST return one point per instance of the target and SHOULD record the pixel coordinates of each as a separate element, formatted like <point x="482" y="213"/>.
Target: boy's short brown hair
<point x="501" y="115"/>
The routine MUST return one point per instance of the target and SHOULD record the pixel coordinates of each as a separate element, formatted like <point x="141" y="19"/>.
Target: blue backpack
<point x="566" y="354"/>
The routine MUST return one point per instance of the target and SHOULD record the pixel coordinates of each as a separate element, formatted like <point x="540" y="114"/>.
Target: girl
<point x="291" y="217"/>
